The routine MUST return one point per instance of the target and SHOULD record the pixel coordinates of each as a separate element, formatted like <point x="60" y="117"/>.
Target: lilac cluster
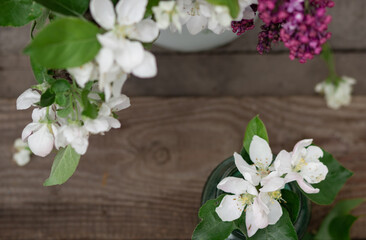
<point x="302" y="27"/>
<point x="304" y="35"/>
<point x="240" y="27"/>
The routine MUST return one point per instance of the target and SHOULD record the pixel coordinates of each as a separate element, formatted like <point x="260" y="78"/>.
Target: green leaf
<point x="47" y="98"/>
<point x="340" y="227"/>
<point x="40" y="73"/>
<point x="63" y="167"/>
<point x="66" y="42"/>
<point x="60" y="86"/>
<point x="283" y="230"/>
<point x="308" y="236"/>
<point x="62" y="99"/>
<point x="18" y="12"/>
<point x="150" y="5"/>
<point x="340" y="213"/>
<point x="66" y="7"/>
<point x="233" y="6"/>
<point x="212" y="227"/>
<point x="255" y="127"/>
<point x="333" y="183"/>
<point x="292" y="203"/>
<point x="64" y="112"/>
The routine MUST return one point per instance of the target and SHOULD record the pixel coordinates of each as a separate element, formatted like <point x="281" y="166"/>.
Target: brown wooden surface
<point x="144" y="180"/>
<point x="232" y="70"/>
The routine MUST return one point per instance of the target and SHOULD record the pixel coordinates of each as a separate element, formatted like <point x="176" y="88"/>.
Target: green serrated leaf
<point x="233" y="6"/>
<point x="18" y="12"/>
<point x="333" y="183"/>
<point x="66" y="7"/>
<point x="291" y="203"/>
<point x="47" y="98"/>
<point x="341" y="209"/>
<point x="66" y="42"/>
<point x="212" y="227"/>
<point x="254" y="127"/>
<point x="60" y="86"/>
<point x="282" y="230"/>
<point x="63" y="167"/>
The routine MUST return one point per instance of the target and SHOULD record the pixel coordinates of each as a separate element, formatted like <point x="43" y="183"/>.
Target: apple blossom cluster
<point x="258" y="193"/>
<point x="61" y="124"/>
<point x="199" y="15"/>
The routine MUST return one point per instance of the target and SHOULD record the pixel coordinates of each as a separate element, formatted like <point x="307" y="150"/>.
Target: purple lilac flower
<point x="272" y="11"/>
<point x="304" y="35"/>
<point x="269" y="35"/>
<point x="240" y="27"/>
<point x="322" y="3"/>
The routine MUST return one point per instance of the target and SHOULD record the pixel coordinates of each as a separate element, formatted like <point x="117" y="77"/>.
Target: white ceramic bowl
<point x="185" y="42"/>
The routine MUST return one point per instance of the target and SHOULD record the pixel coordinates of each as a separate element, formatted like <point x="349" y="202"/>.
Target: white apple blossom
<point x="302" y="165"/>
<point x="40" y="133"/>
<point x="337" y="95"/>
<point x="22" y="153"/>
<point x="126" y="29"/>
<point x="265" y="210"/>
<point x="261" y="155"/>
<point x="74" y="135"/>
<point x="168" y="13"/>
<point x="27" y="99"/>
<point x="84" y="73"/>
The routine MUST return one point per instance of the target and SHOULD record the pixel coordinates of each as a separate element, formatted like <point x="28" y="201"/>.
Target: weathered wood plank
<point x="212" y="74"/>
<point x="144" y="180"/>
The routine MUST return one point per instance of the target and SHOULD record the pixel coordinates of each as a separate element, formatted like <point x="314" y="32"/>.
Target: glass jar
<point x="227" y="168"/>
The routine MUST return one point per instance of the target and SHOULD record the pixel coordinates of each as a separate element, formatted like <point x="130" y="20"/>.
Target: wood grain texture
<point x="232" y="70"/>
<point x="144" y="181"/>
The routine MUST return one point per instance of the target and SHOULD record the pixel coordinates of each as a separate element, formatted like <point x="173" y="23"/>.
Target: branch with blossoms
<point x="259" y="204"/>
<point x="82" y="52"/>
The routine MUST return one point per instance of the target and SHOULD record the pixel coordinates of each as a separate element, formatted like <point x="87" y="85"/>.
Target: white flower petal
<point x="273" y="182"/>
<point x="110" y="40"/>
<point x="41" y="142"/>
<point x="313" y="153"/>
<point x="145" y="31"/>
<point x="196" y="24"/>
<point x="29" y="129"/>
<point x="39" y="114"/>
<point x="275" y="212"/>
<point x="130" y="11"/>
<point x="147" y="68"/>
<point x="118" y="84"/>
<point x="230" y="208"/>
<point x="96" y="126"/>
<point x="236" y="186"/>
<point x="105" y="59"/>
<point x="113" y="123"/>
<point x="298" y="151"/>
<point x="131" y="56"/>
<point x="249" y="172"/>
<point x="83" y="73"/>
<point x="19" y="144"/>
<point x="314" y="172"/>
<point x="290" y="177"/>
<point x="282" y="162"/>
<point x="118" y="103"/>
<point x="260" y="152"/>
<point x="255" y="218"/>
<point x="103" y="13"/>
<point x="27" y="99"/>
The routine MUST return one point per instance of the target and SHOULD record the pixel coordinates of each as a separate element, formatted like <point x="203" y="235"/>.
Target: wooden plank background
<point x="144" y="181"/>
